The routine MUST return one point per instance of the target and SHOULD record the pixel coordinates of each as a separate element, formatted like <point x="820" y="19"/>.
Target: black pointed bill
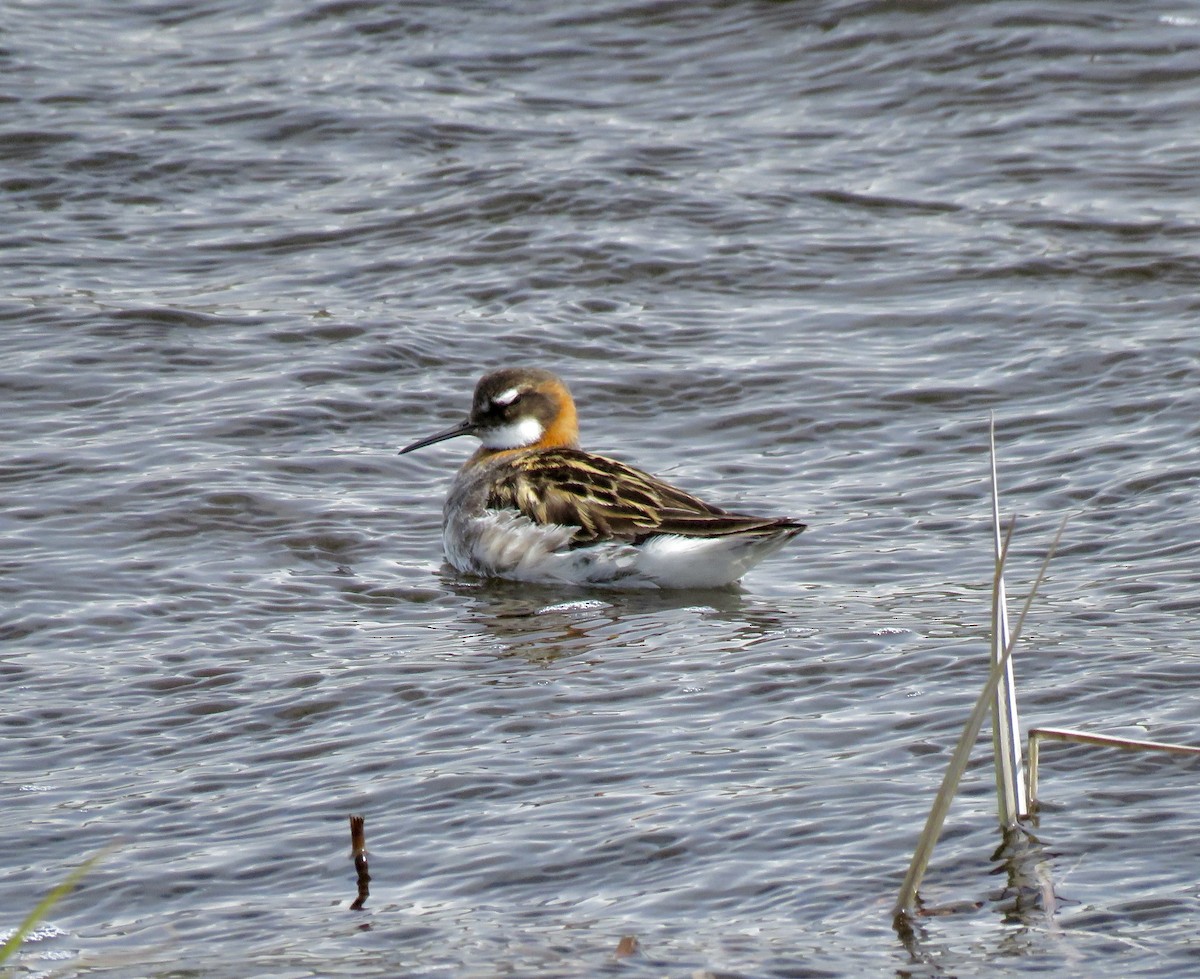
<point x="462" y="428"/>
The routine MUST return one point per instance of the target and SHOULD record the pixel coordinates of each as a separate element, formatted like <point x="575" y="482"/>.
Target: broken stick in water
<point x="358" y="850"/>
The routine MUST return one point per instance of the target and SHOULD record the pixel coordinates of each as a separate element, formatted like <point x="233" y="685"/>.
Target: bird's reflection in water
<point x="542" y="623"/>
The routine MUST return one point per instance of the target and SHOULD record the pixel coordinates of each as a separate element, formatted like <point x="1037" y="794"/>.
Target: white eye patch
<point x="505" y="398"/>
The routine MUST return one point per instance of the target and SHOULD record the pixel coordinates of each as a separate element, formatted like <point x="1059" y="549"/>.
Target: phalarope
<point x="530" y="504"/>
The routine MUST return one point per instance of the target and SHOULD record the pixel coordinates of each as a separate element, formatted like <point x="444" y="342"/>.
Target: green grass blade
<point x="44" y="906"/>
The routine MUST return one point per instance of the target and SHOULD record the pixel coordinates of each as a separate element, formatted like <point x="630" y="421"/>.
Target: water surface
<point x="789" y="256"/>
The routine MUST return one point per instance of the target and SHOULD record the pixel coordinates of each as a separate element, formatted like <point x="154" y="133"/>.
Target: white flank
<point x="704" y="562"/>
<point x="515" y="435"/>
<point x="505" y="544"/>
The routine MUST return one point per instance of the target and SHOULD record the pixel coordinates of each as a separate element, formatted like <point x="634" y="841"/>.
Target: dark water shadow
<point x="1026" y="904"/>
<point x="1027" y="898"/>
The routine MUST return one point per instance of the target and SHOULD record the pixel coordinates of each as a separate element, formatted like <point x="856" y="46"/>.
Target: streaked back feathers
<point x="607" y="499"/>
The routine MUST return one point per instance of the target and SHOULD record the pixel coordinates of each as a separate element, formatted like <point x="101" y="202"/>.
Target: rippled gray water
<point x="789" y="255"/>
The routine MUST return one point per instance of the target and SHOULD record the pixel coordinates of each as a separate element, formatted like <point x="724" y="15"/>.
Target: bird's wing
<point x="609" y="500"/>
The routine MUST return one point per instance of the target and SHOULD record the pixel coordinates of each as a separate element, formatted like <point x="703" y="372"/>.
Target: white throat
<point x="515" y="435"/>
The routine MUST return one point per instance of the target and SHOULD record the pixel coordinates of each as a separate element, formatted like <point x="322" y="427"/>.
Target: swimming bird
<point x="531" y="504"/>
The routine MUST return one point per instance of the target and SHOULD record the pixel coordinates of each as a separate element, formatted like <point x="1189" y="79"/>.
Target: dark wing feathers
<point x="607" y="499"/>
